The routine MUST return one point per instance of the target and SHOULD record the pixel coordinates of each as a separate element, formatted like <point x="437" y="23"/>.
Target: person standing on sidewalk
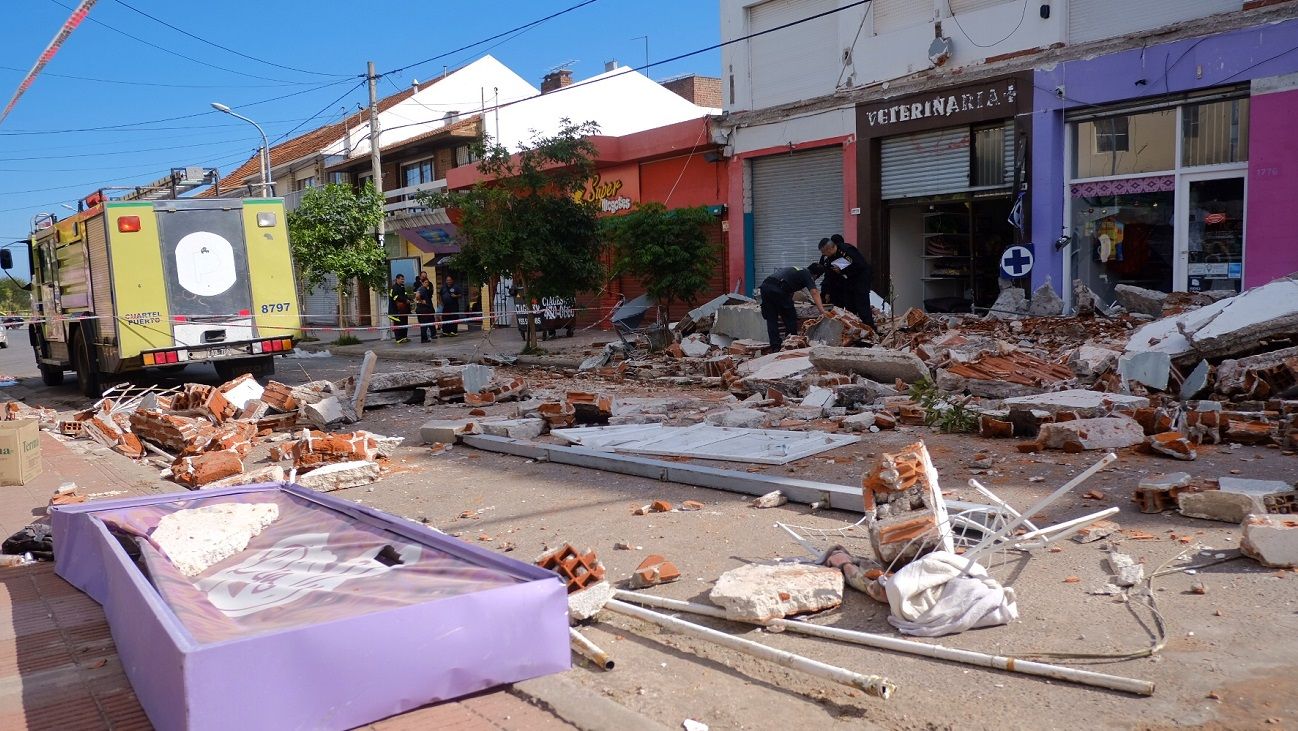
<point x="777" y="299"/>
<point x="451" y="310"/>
<point x="425" y="313"/>
<point x="399" y="309"/>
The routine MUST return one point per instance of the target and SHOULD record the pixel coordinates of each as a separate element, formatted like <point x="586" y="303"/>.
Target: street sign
<point x="1016" y="262"/>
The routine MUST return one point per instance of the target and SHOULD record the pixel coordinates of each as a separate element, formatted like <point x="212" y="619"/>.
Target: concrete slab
<point x="1235" y="499"/>
<point x="1087" y="404"/>
<point x="1151" y="368"/>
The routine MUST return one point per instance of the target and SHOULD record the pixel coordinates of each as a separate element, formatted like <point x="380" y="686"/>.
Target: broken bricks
<point x="904" y="508"/>
<point x="578" y="570"/>
<point x="199" y="470"/>
<point x="654" y="570"/>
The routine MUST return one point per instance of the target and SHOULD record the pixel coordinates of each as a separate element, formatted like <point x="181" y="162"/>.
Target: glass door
<point x="1212" y="232"/>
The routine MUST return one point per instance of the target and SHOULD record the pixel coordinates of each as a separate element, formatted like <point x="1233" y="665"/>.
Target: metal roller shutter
<point x="928" y="163"/>
<point x="1092" y="20"/>
<point x="790" y="64"/>
<point x="797" y="201"/>
<point x="320" y="306"/>
<point x="101" y="288"/>
<point x="891" y="15"/>
<point x="969" y="6"/>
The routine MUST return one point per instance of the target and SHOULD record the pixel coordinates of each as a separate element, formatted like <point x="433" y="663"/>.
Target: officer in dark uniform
<point x="399" y="309"/>
<point x="777" y="299"/>
<point x="847" y="277"/>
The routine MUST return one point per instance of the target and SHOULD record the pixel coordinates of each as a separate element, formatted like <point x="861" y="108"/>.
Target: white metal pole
<point x="875" y="685"/>
<point x="910" y="647"/>
<point x="589" y="650"/>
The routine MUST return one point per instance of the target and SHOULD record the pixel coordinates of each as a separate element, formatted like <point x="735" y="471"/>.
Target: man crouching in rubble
<point x="777" y="299"/>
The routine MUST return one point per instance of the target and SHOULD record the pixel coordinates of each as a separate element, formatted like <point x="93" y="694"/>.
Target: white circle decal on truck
<point x="205" y="263"/>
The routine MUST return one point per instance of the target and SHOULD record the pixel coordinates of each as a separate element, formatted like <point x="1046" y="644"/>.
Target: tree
<point x="525" y="220"/>
<point x="668" y="250"/>
<point x="332" y="231"/>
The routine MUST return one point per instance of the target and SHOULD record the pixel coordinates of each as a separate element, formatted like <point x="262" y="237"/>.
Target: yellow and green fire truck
<point x="133" y="283"/>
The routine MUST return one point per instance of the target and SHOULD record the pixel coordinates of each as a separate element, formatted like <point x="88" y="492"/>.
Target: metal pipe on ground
<point x="875" y="685"/>
<point x="910" y="647"/>
<point x="589" y="650"/>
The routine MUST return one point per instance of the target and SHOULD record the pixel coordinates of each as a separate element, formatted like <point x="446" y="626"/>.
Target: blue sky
<point x="325" y="44"/>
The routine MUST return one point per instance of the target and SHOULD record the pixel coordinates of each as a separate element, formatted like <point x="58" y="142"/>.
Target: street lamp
<point x="265" y="146"/>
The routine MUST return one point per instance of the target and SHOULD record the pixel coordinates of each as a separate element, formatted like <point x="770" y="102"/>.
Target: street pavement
<point x="59" y="669"/>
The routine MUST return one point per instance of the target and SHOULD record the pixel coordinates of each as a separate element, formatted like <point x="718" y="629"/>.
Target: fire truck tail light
<point x="128" y="224"/>
<point x="149" y="359"/>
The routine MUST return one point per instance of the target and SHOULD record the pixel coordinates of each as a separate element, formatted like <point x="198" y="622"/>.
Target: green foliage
<point x="524" y="221"/>
<point x="332" y="231"/>
<point x="346" y="339"/>
<point x="13" y="298"/>
<point x="668" y="250"/>
<point x="946" y="414"/>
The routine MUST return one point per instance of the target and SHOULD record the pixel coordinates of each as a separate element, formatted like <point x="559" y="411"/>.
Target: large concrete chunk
<point x="447" y="431"/>
<point x="329" y="411"/>
<point x="1264" y="312"/>
<point x="1272" y="540"/>
<point x="1085" y="434"/>
<point x="197" y="538"/>
<point x="339" y="476"/>
<point x="879" y="364"/>
<point x="1139" y="299"/>
<point x="1150" y="368"/>
<point x="1086" y="403"/>
<point x="741" y="322"/>
<point x="1045" y="302"/>
<point x="1234" y="499"/>
<point x="514" y="428"/>
<point x="760" y="593"/>
<point x="405" y="379"/>
<point x="1091" y="361"/>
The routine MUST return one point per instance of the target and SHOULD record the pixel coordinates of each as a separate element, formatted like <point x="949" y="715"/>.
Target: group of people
<point x="845" y="276"/>
<point x="401" y="302"/>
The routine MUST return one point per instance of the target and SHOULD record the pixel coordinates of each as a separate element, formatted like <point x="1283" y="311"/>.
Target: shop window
<point x="1122" y="233"/>
<point x="1214" y="133"/>
<point x="1125" y="145"/>
<point x="992" y="160"/>
<point x="1112" y="135"/>
<point x="416" y="173"/>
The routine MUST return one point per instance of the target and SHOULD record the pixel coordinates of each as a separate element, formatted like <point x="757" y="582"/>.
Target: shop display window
<point x="1125" y="144"/>
<point x="1124" y="235"/>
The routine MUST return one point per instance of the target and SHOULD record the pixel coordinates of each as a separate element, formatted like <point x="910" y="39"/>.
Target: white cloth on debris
<point x="930" y="598"/>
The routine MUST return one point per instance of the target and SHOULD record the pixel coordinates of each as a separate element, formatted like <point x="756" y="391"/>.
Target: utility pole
<point x="375" y="168"/>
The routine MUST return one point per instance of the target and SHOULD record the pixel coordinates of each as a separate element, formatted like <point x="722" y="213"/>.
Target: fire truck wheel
<point x="87" y="375"/>
<point x="51" y="375"/>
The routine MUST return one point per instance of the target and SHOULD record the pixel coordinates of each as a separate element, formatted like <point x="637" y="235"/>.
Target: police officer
<point x="847" y="277"/>
<point x="777" y="299"/>
<point x="399" y="309"/>
<point x="451" y="309"/>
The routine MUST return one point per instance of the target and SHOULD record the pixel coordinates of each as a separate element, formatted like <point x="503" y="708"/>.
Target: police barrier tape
<point x="242" y="320"/>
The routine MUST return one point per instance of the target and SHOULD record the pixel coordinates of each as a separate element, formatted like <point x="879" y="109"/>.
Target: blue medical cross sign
<point x="1016" y="261"/>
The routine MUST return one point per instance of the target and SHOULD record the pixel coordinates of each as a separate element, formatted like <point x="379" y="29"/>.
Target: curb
<point x="581" y="707"/>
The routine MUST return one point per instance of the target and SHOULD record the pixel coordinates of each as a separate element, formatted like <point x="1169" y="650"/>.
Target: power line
<point x="582" y="84"/>
<point x="128" y="82"/>
<point x="164" y="49"/>
<point x="525" y="26"/>
<point x="227" y="48"/>
<point x="1022" y="16"/>
<point x="323" y="109"/>
<point x="130" y="126"/>
<point x="96" y="184"/>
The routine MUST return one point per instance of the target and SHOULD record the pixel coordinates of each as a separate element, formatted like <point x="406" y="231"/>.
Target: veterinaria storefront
<point x="941" y="194"/>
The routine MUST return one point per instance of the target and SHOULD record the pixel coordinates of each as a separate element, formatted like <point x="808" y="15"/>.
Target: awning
<point x="436" y="239"/>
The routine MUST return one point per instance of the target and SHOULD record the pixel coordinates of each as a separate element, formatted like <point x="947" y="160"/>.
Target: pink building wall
<point x="1271" y="222"/>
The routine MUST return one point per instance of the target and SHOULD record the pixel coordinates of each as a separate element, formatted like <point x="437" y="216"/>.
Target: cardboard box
<point x="20" y="451"/>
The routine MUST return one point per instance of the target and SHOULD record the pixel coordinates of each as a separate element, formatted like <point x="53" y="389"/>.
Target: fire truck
<point x="143" y="278"/>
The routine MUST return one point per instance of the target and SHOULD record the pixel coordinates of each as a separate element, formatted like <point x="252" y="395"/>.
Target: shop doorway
<point x="1212" y="232"/>
<point x="944" y="254"/>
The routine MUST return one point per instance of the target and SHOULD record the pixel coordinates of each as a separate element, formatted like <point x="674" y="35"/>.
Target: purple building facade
<point x="1171" y="167"/>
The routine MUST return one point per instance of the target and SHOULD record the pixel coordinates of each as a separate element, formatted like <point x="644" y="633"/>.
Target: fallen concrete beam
<point x="841" y="497"/>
